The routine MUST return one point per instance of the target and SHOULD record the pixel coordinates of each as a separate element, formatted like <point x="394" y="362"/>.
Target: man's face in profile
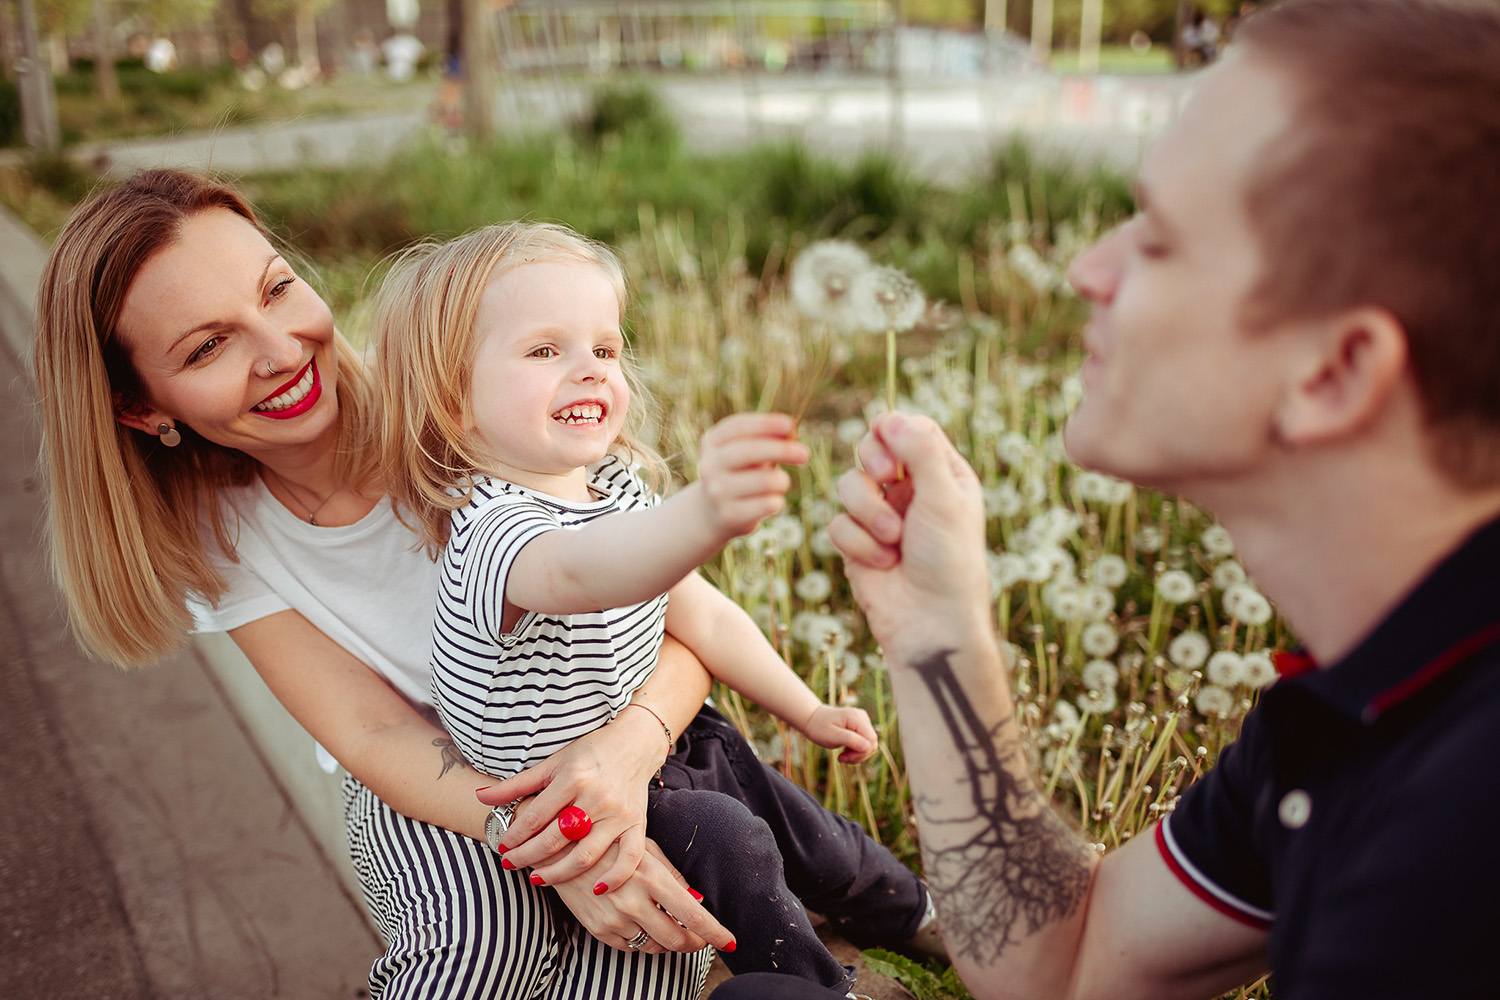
<point x="1177" y="394"/>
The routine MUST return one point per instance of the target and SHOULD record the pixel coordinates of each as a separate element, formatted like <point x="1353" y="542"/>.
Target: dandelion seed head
<point x="1189" y="650"/>
<point x="1006" y="570"/>
<point x="850" y="430"/>
<point x="1013" y="448"/>
<point x="1213" y="700"/>
<point x="1033" y="269"/>
<point x="1100" y="639"/>
<point x="1216" y="541"/>
<point x="763" y="617"/>
<point x="813" y="587"/>
<point x="788" y="531"/>
<point x="1066" y="603"/>
<point x="850" y="667"/>
<point x="1148" y="539"/>
<point x="822" y="545"/>
<point x="1065" y="715"/>
<point x="1176" y="587"/>
<point x="1260" y="671"/>
<point x="1002" y="500"/>
<point x="1100" y="702"/>
<point x="780" y="590"/>
<point x="875" y="662"/>
<point x="1226" y="668"/>
<point x="1109" y="570"/>
<point x="1228" y="573"/>
<point x="1254" y="608"/>
<point x="1100" y="675"/>
<point x="818" y="511"/>
<point x="823" y="279"/>
<point x="886" y="299"/>
<point x="1098" y="602"/>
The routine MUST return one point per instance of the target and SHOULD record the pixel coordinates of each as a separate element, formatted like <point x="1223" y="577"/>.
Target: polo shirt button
<point x="1295" y="809"/>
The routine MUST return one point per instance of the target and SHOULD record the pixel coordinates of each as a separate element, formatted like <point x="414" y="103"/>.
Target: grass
<point x="1094" y="583"/>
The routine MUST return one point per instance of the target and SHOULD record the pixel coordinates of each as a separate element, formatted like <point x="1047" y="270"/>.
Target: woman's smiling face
<point x="229" y="342"/>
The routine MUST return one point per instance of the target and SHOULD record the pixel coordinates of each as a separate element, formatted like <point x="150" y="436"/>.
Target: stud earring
<point x="169" y="435"/>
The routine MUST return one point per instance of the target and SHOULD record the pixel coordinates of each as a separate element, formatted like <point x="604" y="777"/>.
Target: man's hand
<point x="913" y="535"/>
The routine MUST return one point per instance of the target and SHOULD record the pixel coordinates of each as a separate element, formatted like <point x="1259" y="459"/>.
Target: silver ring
<point x="269" y="369"/>
<point x="635" y="943"/>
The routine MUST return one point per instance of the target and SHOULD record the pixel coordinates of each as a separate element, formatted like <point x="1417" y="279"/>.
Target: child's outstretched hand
<point x="843" y="727"/>
<point x="739" y="469"/>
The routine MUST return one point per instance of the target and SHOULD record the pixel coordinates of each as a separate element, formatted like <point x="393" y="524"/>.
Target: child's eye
<point x="604" y="352"/>
<point x="544" y="352"/>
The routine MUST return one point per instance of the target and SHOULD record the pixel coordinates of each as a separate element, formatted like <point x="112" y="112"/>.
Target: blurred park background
<point x="975" y="145"/>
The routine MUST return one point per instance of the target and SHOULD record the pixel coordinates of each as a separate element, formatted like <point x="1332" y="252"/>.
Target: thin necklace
<point x="311" y="518"/>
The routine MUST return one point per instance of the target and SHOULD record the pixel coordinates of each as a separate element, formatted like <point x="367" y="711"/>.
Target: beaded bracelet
<point x="670" y="742"/>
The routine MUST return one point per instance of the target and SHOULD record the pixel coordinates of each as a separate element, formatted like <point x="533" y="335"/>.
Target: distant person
<point x="510" y="437"/>
<point x="1300" y="331"/>
<point x="402" y="52"/>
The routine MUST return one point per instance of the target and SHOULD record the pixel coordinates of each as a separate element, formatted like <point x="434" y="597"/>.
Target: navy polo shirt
<point x="1357" y="818"/>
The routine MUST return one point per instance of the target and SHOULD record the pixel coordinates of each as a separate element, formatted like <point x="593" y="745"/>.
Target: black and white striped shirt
<point x="510" y="699"/>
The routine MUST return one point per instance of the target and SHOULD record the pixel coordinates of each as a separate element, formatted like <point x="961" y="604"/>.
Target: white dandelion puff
<point x="823" y="279"/>
<point x="886" y="299"/>
<point x="788" y="532"/>
<point x="850" y="667"/>
<point x="1002" y="500"/>
<point x="1216" y="541"/>
<point x="1098" y="602"/>
<point x="1033" y="269"/>
<point x="1109" y="570"/>
<point x="1066" y="603"/>
<point x="1100" y="702"/>
<point x="1226" y="668"/>
<point x="1118" y="491"/>
<point x="1148" y="539"/>
<point x="1228" y="573"/>
<point x="1189" y="650"/>
<point x="1260" y="671"/>
<point x="818" y="511"/>
<point x="1176" y="587"/>
<point x="850" y="430"/>
<point x="1013" y="448"/>
<point x="1100" y="675"/>
<point x="822" y="545"/>
<point x="1214" y="700"/>
<point x="1065" y="715"/>
<point x="1100" y="639"/>
<point x="813" y="587"/>
<point x="1007" y="569"/>
<point x="1254" y="608"/>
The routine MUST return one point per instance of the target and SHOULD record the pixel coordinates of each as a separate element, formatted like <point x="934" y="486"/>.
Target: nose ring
<point x="269" y="369"/>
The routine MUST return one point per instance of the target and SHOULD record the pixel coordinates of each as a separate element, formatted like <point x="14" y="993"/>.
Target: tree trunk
<point x="307" y="40"/>
<point x="1041" y="31"/>
<point x="1089" y="28"/>
<point x="479" y="71"/>
<point x="38" y="97"/>
<point x="994" y="17"/>
<point x="106" y="80"/>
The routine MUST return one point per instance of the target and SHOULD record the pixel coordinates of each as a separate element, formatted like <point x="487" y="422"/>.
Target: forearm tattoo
<point x="1022" y="868"/>
<point x="451" y="756"/>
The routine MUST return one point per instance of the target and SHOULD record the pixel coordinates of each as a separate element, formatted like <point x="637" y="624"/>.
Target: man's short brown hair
<point x="1385" y="191"/>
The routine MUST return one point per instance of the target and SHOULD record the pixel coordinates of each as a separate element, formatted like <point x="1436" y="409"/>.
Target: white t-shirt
<point x="368" y="586"/>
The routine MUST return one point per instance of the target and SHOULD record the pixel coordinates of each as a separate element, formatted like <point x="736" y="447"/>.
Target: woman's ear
<point x="131" y="412"/>
<point x="1354" y="363"/>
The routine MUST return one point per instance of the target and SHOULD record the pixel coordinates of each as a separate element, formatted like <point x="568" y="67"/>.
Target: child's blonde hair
<point x="425" y="318"/>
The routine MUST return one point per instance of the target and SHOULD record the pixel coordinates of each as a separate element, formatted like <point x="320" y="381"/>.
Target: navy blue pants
<point x="760" y="848"/>
<point x="770" y="986"/>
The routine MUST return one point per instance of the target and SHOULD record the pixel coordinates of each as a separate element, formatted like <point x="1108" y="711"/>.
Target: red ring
<point x="574" y="823"/>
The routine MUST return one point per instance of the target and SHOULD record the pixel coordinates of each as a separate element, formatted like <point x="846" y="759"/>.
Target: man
<point x="1300" y="331"/>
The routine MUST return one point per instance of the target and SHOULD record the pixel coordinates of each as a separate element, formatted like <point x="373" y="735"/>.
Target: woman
<point x="208" y="447"/>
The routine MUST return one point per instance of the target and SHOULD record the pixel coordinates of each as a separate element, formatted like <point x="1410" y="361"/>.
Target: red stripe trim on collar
<point x="1435" y="668"/>
<point x="1293" y="663"/>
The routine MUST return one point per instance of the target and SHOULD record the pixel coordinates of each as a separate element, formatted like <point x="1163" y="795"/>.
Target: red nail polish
<point x="696" y="894"/>
<point x="538" y="880"/>
<point x="728" y="947"/>
<point x="484" y="789"/>
<point x="600" y="889"/>
<point x="501" y="848"/>
<point x="507" y="866"/>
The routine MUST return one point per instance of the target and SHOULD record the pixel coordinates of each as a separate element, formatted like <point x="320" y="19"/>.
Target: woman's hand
<point x="618" y="916"/>
<point x="606" y="774"/>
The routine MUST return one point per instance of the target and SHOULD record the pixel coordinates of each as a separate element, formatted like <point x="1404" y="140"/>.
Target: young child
<point x="507" y="431"/>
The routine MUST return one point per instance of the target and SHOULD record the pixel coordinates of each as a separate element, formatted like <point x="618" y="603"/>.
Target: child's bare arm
<point x="732" y="648"/>
<point x="632" y="557"/>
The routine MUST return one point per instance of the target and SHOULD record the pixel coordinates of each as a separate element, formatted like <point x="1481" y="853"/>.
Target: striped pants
<point x="457" y="925"/>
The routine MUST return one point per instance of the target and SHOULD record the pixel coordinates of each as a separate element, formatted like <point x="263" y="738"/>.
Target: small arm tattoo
<point x="451" y="756"/>
<point x="1022" y="868"/>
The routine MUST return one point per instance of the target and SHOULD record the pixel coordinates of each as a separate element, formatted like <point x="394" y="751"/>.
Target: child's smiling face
<point x="548" y="395"/>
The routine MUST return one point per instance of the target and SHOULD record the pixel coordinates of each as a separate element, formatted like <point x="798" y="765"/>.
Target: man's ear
<point x="132" y="412"/>
<point x="1353" y="364"/>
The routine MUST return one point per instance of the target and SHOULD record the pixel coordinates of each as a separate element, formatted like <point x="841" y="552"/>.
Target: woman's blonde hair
<point x="123" y="511"/>
<point x="424" y="321"/>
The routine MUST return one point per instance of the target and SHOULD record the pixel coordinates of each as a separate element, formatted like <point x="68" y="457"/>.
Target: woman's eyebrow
<point x="218" y="324"/>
